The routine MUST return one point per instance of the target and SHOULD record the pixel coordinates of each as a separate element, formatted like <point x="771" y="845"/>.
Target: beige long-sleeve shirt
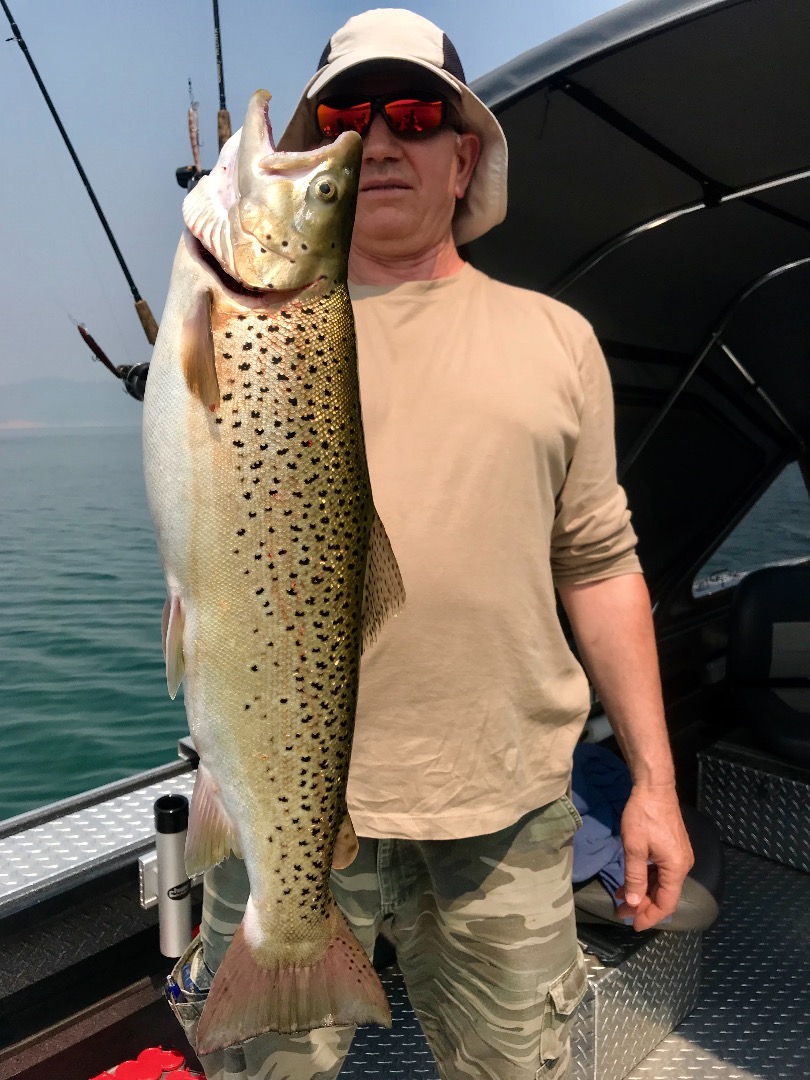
<point x="488" y="417"/>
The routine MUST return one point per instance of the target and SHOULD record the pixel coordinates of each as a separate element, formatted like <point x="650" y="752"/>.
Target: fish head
<point x="278" y="221"/>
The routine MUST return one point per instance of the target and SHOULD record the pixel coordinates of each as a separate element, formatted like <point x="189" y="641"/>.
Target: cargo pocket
<point x="564" y="994"/>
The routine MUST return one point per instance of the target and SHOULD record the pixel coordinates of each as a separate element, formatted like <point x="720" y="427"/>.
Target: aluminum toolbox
<point x="759" y="802"/>
<point x="634" y="1001"/>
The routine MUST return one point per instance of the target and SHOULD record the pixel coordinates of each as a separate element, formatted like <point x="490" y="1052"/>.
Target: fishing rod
<point x="223" y="116"/>
<point x="188" y="175"/>
<point x="142" y="308"/>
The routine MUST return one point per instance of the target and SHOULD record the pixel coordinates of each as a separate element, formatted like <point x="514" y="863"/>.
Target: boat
<point x="660" y="183"/>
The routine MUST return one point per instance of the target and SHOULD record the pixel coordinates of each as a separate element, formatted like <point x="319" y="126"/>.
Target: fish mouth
<point x="246" y="292"/>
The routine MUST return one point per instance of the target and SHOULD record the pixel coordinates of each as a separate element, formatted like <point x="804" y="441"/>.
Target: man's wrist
<point x="654" y="783"/>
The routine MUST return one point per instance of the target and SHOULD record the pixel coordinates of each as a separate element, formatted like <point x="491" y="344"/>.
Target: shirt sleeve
<point x="592" y="537"/>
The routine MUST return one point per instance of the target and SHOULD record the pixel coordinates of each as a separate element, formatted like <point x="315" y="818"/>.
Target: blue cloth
<point x="601" y="786"/>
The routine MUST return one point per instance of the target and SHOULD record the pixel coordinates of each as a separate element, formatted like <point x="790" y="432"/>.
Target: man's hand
<point x="657" y="853"/>
<point x="613" y="626"/>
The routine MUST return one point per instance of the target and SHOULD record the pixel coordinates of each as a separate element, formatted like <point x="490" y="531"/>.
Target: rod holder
<point x="174" y="887"/>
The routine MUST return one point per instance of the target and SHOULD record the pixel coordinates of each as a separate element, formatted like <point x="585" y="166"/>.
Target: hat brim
<point x="484" y="204"/>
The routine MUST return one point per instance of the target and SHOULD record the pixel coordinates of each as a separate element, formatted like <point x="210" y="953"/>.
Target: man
<point x="489" y="432"/>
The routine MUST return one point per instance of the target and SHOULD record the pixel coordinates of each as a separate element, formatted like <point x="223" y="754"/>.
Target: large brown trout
<point x="277" y="566"/>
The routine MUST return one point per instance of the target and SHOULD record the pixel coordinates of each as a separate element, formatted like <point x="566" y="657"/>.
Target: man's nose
<point x="380" y="142"/>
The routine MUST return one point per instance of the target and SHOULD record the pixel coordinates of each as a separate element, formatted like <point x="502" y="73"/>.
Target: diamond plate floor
<point x="752" y="1019"/>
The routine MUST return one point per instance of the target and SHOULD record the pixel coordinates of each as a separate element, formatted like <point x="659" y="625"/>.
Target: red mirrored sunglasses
<point x="404" y="116"/>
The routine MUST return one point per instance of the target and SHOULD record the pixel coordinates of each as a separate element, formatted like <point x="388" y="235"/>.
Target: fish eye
<point x="325" y="189"/>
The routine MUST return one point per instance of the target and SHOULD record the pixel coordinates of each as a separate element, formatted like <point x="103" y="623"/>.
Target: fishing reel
<point x="134" y="379"/>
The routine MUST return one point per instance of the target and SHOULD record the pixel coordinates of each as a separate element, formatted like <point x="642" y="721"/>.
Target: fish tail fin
<point x="247" y="1000"/>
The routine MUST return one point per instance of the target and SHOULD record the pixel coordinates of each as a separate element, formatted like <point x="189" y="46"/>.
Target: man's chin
<point x="383" y="224"/>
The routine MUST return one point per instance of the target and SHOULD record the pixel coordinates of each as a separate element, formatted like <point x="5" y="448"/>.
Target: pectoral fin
<point x="211" y="834"/>
<point x="173" y="623"/>
<point x="197" y="351"/>
<point x="384" y="593"/>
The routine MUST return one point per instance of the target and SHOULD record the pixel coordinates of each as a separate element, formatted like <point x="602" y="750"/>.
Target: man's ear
<point x="468" y="151"/>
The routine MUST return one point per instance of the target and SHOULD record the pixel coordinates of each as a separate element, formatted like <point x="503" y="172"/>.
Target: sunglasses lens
<point x="405" y="116"/>
<point x="333" y="121"/>
<point x="412" y="116"/>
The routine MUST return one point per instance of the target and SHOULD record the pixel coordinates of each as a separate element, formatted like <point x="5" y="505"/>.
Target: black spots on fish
<point x="238" y="444"/>
<point x="244" y="366"/>
<point x="246" y="495"/>
<point x="227" y="397"/>
<point x="226" y="356"/>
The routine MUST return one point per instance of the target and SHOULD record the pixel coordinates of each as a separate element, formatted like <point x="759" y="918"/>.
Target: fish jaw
<point x="277" y="221"/>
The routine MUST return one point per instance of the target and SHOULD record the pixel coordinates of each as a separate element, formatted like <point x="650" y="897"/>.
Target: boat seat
<point x="768" y="668"/>
<point x="702" y="892"/>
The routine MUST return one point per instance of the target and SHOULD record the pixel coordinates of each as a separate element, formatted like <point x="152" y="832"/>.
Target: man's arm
<point x="613" y="627"/>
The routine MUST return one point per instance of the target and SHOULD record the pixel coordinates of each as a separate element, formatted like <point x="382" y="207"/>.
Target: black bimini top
<point x="660" y="184"/>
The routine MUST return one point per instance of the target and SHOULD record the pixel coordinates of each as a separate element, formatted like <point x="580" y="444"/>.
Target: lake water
<point x="83" y="696"/>
<point x="83" y="692"/>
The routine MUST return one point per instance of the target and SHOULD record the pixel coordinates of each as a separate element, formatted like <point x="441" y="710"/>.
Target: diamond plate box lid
<point x="741" y="747"/>
<point x="760" y="803"/>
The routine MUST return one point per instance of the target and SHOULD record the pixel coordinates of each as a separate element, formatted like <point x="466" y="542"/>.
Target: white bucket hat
<point x="400" y="35"/>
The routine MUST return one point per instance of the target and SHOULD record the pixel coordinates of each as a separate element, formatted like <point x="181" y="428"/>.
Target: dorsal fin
<point x="384" y="592"/>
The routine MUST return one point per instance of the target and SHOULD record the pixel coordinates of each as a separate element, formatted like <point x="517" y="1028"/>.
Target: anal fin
<point x="211" y="834"/>
<point x="246" y="1000"/>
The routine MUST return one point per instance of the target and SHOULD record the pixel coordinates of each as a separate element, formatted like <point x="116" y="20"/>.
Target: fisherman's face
<point x="409" y="185"/>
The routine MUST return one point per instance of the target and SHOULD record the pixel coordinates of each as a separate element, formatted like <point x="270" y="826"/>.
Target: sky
<point x="118" y="73"/>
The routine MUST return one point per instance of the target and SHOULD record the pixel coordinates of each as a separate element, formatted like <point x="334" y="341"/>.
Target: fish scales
<point x="278" y="569"/>
<point x="279" y="623"/>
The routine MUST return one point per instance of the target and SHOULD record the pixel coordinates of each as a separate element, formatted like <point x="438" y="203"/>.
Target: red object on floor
<point x="164" y="1060"/>
<point x="154" y="1063"/>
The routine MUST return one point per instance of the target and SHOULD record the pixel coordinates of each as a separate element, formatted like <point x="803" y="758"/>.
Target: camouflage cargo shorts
<point x="486" y="940"/>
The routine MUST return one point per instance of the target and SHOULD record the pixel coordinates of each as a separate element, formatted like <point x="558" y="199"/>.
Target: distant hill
<point x="68" y="403"/>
